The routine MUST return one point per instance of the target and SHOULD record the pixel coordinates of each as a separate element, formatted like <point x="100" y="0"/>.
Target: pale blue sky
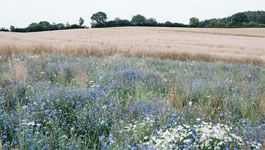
<point x="21" y="13"/>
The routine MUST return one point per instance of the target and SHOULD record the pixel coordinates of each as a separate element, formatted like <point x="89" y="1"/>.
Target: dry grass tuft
<point x="174" y="100"/>
<point x="261" y="104"/>
<point x="21" y="72"/>
<point x="81" y="78"/>
<point x="16" y="71"/>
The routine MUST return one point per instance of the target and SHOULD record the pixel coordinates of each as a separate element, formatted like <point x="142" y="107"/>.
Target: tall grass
<point x="41" y="49"/>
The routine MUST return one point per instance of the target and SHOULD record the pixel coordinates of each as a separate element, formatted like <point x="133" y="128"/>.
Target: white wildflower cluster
<point x="137" y="125"/>
<point x="32" y="123"/>
<point x="203" y="135"/>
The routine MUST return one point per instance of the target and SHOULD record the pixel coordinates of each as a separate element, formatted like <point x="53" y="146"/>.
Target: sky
<point x="21" y="13"/>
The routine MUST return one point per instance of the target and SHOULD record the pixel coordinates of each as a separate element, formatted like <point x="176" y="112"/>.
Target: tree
<point x="239" y="18"/>
<point x="99" y="18"/>
<point x="12" y="28"/>
<point x="117" y="19"/>
<point x="168" y="24"/>
<point x="213" y="23"/>
<point x="138" y="20"/>
<point x="60" y="26"/>
<point x="260" y="18"/>
<point x="44" y="23"/>
<point x="151" y="21"/>
<point x="67" y="24"/>
<point x="194" y="22"/>
<point x="4" y="29"/>
<point x="81" y="21"/>
<point x="33" y="27"/>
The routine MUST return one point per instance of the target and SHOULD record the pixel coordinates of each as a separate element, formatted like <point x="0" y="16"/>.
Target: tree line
<point x="238" y="20"/>
<point x="46" y="26"/>
<point x="100" y="20"/>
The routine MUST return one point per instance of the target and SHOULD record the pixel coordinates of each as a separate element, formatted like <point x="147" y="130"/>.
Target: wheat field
<point x="245" y="46"/>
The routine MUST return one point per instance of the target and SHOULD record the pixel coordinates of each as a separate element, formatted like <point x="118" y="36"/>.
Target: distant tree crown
<point x="138" y="20"/>
<point x="99" y="17"/>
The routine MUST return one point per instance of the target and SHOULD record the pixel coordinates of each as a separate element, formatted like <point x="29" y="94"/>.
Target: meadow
<point x="115" y="102"/>
<point x="133" y="88"/>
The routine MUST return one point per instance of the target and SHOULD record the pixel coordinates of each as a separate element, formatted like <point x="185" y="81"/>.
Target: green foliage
<point x="242" y="20"/>
<point x="12" y="28"/>
<point x="214" y="22"/>
<point x="4" y="30"/>
<point x="99" y="18"/>
<point x="60" y="26"/>
<point x="45" y="26"/>
<point x="239" y="19"/>
<point x="138" y="20"/>
<point x="260" y="18"/>
<point x="81" y="21"/>
<point x="151" y="22"/>
<point x="69" y="102"/>
<point x="256" y="16"/>
<point x="168" y="23"/>
<point x="194" y="22"/>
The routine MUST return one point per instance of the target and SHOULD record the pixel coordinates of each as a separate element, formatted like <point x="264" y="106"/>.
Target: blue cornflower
<point x="139" y="145"/>
<point x="101" y="137"/>
<point x="192" y="128"/>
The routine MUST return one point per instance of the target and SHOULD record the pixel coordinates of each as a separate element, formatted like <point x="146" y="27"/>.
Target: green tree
<point x="138" y="20"/>
<point x="151" y="21"/>
<point x="260" y="18"/>
<point x="239" y="18"/>
<point x="99" y="18"/>
<point x="44" y="23"/>
<point x="12" y="28"/>
<point x="60" y="26"/>
<point x="194" y="22"/>
<point x="213" y="23"/>
<point x="168" y="24"/>
<point x="4" y="29"/>
<point x="33" y="27"/>
<point x="67" y="24"/>
<point x="117" y="19"/>
<point x="81" y="21"/>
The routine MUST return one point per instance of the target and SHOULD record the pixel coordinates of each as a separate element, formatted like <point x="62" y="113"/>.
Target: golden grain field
<point x="227" y="45"/>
